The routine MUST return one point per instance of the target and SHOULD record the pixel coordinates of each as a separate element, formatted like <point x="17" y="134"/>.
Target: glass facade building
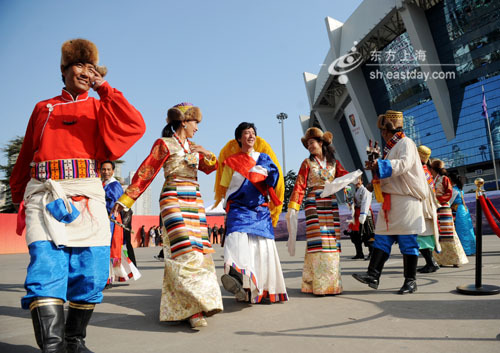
<point x="466" y="35"/>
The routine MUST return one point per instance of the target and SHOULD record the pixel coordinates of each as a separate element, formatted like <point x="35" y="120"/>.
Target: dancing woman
<point x="452" y="253"/>
<point x="428" y="240"/>
<point x="252" y="185"/>
<point x="190" y="288"/>
<point x="461" y="216"/>
<point x="321" y="273"/>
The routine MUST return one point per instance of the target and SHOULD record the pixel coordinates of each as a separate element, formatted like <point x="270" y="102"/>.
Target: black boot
<point x="76" y="326"/>
<point x="48" y="321"/>
<point x="370" y="251"/>
<point x="359" y="251"/>
<point x="356" y="240"/>
<point x="372" y="276"/>
<point x="430" y="264"/>
<point x="410" y="272"/>
<point x="233" y="283"/>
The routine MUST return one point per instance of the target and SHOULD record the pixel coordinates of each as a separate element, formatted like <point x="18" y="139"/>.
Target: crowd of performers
<point x="77" y="216"/>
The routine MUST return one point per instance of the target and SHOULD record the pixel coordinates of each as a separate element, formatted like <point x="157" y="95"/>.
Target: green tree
<point x="289" y="184"/>
<point x="11" y="151"/>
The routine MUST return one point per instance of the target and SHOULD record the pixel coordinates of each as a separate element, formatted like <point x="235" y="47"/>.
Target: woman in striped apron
<point x="190" y="289"/>
<point x="321" y="273"/>
<point x="452" y="252"/>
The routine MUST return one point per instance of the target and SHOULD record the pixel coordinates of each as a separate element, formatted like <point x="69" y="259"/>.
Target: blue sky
<point x="236" y="60"/>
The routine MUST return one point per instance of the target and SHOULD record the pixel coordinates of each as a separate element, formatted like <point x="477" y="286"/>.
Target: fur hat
<point x="424" y="152"/>
<point x="391" y="120"/>
<point x="314" y="132"/>
<point x="81" y="51"/>
<point x="437" y="164"/>
<point x="184" y="112"/>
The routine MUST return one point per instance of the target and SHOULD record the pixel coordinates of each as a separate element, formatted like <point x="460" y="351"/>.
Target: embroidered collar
<point x="68" y="97"/>
<point x="392" y="142"/>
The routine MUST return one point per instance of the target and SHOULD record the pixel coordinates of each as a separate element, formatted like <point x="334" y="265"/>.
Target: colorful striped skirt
<point x="183" y="216"/>
<point x="452" y="252"/>
<point x="190" y="284"/>
<point x="445" y="223"/>
<point x="321" y="273"/>
<point x="322" y="222"/>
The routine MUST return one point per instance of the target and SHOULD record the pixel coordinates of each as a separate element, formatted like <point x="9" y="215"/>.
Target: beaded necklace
<point x="192" y="159"/>
<point x="323" y="172"/>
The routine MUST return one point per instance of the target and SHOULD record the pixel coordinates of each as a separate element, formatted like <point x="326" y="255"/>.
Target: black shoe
<point x="371" y="280"/>
<point x="79" y="315"/>
<point x="48" y="322"/>
<point x="159" y="258"/>
<point x="233" y="285"/>
<point x="409" y="286"/>
<point x="430" y="264"/>
<point x="358" y="257"/>
<point x="428" y="269"/>
<point x="372" y="276"/>
<point x="410" y="272"/>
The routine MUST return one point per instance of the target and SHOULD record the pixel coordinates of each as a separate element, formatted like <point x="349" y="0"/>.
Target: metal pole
<point x="479" y="238"/>
<point x="281" y="118"/>
<point x="491" y="147"/>
<point x="283" y="144"/>
<point x="478" y="288"/>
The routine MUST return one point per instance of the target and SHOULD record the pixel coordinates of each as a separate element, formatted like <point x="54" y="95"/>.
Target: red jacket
<point x="81" y="128"/>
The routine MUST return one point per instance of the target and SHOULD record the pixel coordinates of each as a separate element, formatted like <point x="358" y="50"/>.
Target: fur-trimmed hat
<point x="81" y="51"/>
<point x="391" y="120"/>
<point x="184" y="112"/>
<point x="314" y="132"/>
<point x="424" y="152"/>
<point x="437" y="164"/>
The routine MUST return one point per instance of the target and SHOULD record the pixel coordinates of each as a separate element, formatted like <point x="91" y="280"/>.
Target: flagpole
<point x="485" y="113"/>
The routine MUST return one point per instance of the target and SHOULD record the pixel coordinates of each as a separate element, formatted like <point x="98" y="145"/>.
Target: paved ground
<point x="435" y="319"/>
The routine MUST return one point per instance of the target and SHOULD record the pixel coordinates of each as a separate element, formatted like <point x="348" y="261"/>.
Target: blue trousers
<point x="408" y="244"/>
<point x="77" y="274"/>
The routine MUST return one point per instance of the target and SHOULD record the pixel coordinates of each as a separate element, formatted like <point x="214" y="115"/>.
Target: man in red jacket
<point x="56" y="181"/>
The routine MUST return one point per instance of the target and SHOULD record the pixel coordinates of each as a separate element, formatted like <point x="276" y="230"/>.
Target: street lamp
<point x="281" y="119"/>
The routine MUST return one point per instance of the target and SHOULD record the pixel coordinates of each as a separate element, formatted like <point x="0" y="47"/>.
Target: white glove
<point x="362" y="218"/>
<point x="292" y="219"/>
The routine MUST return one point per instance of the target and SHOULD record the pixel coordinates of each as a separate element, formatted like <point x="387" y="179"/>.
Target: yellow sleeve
<point x="227" y="175"/>
<point x="294" y="205"/>
<point x="211" y="161"/>
<point x="126" y="200"/>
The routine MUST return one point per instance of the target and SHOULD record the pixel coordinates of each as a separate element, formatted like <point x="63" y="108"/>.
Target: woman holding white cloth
<point x="321" y="273"/>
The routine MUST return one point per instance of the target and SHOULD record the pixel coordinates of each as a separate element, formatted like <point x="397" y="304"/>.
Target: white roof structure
<point x="219" y="210"/>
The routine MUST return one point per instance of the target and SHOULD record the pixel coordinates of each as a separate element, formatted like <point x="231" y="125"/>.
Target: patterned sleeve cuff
<point x="294" y="205"/>
<point x="210" y="161"/>
<point x="126" y="200"/>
